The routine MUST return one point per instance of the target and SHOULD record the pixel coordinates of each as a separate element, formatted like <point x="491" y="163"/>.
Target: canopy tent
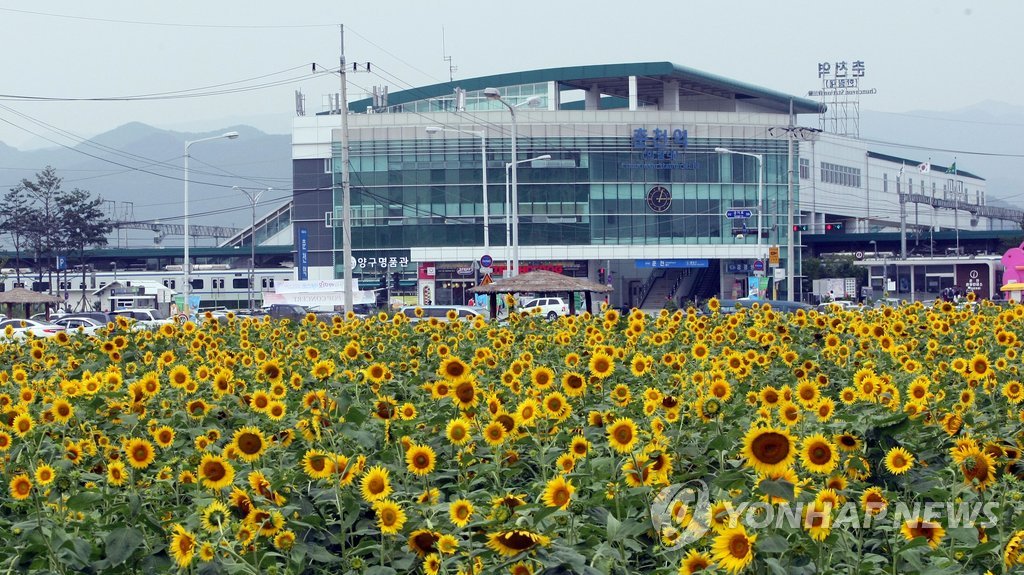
<point x="26" y="297"/>
<point x="538" y="282"/>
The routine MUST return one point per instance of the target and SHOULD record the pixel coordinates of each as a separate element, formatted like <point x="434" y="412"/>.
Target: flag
<point x="901" y="172"/>
<point x="924" y="167"/>
<point x="952" y="168"/>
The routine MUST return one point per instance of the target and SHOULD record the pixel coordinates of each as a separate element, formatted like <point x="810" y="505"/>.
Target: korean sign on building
<point x="659" y="148"/>
<point x="841" y="78"/>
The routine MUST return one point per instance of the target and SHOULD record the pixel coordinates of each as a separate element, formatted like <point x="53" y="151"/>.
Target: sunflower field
<point x="874" y="441"/>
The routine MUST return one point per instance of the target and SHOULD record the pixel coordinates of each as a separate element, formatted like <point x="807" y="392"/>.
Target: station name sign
<point x="660" y="149"/>
<point x="841" y="78"/>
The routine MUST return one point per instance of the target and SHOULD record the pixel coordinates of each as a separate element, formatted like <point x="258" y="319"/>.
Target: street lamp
<point x="186" y="264"/>
<point x="483" y="158"/>
<point x="513" y="204"/>
<point x="493" y="94"/>
<point x="760" y="188"/>
<point x="254" y="197"/>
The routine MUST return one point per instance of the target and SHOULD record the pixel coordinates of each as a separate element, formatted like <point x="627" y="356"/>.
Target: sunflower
<point x="818" y="455"/>
<point x="390" y="517"/>
<point x="463" y="393"/>
<point x="733" y="549"/>
<point x="284" y="540"/>
<point x="249" y="443"/>
<point x="457" y="431"/>
<point x="420" y="459"/>
<point x="917" y="527"/>
<point x="579" y="446"/>
<point x="164" y="436"/>
<point x="216" y="472"/>
<point x="601" y="365"/>
<point x="558" y="492"/>
<point x="117" y="474"/>
<point x="1012" y="553"/>
<point x="512" y="542"/>
<point x="316" y="464"/>
<point x="63" y="411"/>
<point x="214" y="517"/>
<point x="873" y="501"/>
<point x="423" y="541"/>
<point x="847" y="441"/>
<point x="452" y="368"/>
<point x="20" y="486"/>
<point x="494" y="433"/>
<point x="695" y="561"/>
<point x="526" y="412"/>
<point x="622" y="435"/>
<point x="555" y="405"/>
<point x="45" y="474"/>
<point x="769" y="450"/>
<point x="460" y="512"/>
<point x="23" y="424"/>
<point x="574" y="384"/>
<point x="139" y="452"/>
<point x="818" y="521"/>
<point x="375" y="484"/>
<point x="898" y="461"/>
<point x="542" y="377"/>
<point x="978" y="468"/>
<point x="183" y="546"/>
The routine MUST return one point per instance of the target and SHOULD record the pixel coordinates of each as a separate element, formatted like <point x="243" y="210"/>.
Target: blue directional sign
<point x="486" y="261"/>
<point x="738" y="214"/>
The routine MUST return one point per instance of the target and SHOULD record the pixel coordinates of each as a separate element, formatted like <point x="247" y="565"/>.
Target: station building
<point x="660" y="180"/>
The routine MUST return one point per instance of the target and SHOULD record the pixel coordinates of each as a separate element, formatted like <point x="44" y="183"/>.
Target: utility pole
<point x="346" y="192"/>
<point x="790" y="253"/>
<point x="903" y="220"/>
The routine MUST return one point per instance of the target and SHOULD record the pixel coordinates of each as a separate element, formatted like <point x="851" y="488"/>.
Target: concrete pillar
<point x="554" y="97"/>
<point x="670" y="96"/>
<point x="592" y="99"/>
<point x="632" y="94"/>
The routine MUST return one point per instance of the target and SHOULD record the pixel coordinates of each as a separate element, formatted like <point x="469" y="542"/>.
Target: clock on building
<point x="659" y="199"/>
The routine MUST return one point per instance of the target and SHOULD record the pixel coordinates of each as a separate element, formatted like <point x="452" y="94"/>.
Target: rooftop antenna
<point x="447" y="58"/>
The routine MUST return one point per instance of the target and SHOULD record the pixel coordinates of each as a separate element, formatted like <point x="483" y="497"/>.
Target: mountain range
<point x="139" y="169"/>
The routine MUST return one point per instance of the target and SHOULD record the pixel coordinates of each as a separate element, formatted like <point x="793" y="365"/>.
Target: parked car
<point x="837" y="305"/>
<point x="144" y="317"/>
<point x="21" y="328"/>
<point x="439" y="312"/>
<point x="291" y="311"/>
<point x="97" y="316"/>
<point x="549" y="307"/>
<point x="84" y="325"/>
<point x="42" y="316"/>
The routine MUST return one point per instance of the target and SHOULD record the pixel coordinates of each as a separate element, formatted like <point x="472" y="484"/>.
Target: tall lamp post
<point x="483" y="171"/>
<point x="493" y="94"/>
<point x="186" y="264"/>
<point x="515" y="207"/>
<point x="254" y="197"/>
<point x="760" y="189"/>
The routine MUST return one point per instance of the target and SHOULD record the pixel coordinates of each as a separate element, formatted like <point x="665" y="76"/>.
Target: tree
<point x="15" y="219"/>
<point x="43" y="228"/>
<point x="84" y="225"/>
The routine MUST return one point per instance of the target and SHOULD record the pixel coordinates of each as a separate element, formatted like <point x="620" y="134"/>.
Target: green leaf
<point x="779" y="488"/>
<point x="84" y="500"/>
<point x="772" y="544"/>
<point x="380" y="570"/>
<point x="613" y="527"/>
<point x="320" y="554"/>
<point x="121" y="543"/>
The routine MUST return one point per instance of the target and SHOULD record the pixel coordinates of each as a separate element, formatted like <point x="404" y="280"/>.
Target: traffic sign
<point x="773" y="255"/>
<point x="486" y="261"/>
<point x="758" y="265"/>
<point x="487" y="280"/>
<point x="735" y="213"/>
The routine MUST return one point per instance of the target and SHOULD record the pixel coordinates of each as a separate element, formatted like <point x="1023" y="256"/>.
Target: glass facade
<point x="593" y="191"/>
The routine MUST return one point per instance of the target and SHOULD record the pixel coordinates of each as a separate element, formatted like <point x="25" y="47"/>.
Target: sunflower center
<point x="249" y="443"/>
<point x="214" y="471"/>
<point x="739" y="546"/>
<point x="375" y="485"/>
<point x="623" y="434"/>
<point x="771" y="448"/>
<point x="820" y="454"/>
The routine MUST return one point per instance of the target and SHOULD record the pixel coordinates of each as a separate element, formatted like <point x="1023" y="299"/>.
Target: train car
<point x="216" y="285"/>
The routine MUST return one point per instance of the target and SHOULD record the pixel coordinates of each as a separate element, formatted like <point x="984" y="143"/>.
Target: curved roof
<point x="613" y="80"/>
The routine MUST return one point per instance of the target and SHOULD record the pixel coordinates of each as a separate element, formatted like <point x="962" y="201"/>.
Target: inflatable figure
<point x="1011" y="259"/>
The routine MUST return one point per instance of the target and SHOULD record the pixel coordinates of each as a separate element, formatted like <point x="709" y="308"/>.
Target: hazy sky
<point x="919" y="54"/>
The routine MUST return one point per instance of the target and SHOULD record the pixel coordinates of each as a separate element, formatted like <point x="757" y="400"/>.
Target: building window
<point x="328" y="165"/>
<point x="805" y="169"/>
<point x="839" y="174"/>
